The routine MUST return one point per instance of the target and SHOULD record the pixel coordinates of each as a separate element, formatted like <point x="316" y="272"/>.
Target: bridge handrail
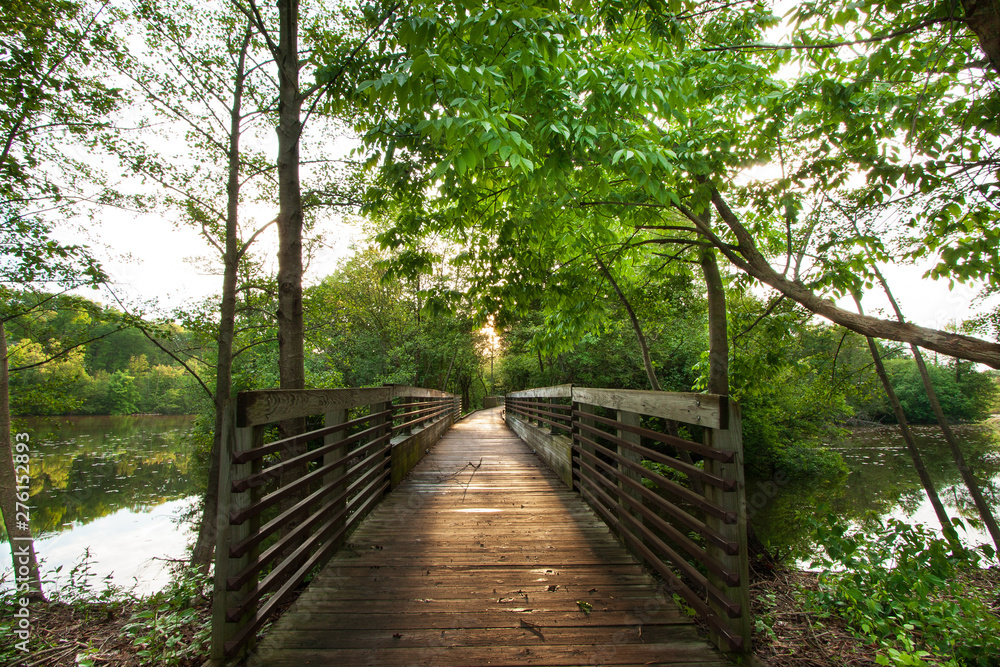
<point x="320" y="494"/>
<point x="676" y="528"/>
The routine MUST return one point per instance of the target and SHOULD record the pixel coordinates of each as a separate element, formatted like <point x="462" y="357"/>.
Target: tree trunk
<point x="983" y="18"/>
<point x="654" y="384"/>
<point x="718" y="325"/>
<point x="291" y="342"/>
<point x="967" y="475"/>
<point x="450" y="366"/>
<point x="22" y="546"/>
<point x="911" y="446"/>
<point x="205" y="545"/>
<point x="636" y="327"/>
<point x="971" y="483"/>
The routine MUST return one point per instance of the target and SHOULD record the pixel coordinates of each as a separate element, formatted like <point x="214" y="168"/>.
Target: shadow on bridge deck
<point x="483" y="557"/>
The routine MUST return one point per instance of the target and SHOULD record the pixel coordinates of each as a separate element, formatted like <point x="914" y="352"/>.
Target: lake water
<point x="114" y="486"/>
<point x="881" y="483"/>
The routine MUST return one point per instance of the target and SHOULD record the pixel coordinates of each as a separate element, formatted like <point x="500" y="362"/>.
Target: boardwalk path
<point x="483" y="557"/>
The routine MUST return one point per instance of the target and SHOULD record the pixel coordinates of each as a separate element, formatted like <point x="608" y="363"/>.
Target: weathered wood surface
<point x="708" y="410"/>
<point x="483" y="557"/>
<point x="557" y="391"/>
<point x="555" y="450"/>
<point x="272" y="405"/>
<point x="267" y="406"/>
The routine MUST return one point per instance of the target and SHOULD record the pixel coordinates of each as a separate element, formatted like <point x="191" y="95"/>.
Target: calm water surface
<point x="111" y="485"/>
<point x="881" y="483"/>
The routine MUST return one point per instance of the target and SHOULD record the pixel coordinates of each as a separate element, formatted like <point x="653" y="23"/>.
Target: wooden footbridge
<point x="544" y="540"/>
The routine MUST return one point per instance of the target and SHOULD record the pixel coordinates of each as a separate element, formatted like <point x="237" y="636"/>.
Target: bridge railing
<point x="686" y="521"/>
<point x="492" y="401"/>
<point x="284" y="513"/>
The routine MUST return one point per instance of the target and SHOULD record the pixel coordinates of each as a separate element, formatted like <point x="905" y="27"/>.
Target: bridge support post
<point x="335" y="418"/>
<point x="629" y="419"/>
<point x="731" y="439"/>
<point x="588" y="409"/>
<point x="234" y="441"/>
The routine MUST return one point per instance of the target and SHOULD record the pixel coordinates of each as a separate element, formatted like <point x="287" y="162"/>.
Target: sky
<point x="160" y="268"/>
<point x="148" y="257"/>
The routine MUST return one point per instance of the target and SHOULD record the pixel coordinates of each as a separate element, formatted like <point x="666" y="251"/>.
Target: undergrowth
<point x="88" y="621"/>
<point x="907" y="592"/>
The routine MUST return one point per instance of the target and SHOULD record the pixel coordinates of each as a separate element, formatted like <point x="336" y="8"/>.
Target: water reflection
<point x="112" y="484"/>
<point x="881" y="483"/>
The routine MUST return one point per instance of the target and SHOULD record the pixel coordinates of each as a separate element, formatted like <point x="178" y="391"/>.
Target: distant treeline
<point x="69" y="355"/>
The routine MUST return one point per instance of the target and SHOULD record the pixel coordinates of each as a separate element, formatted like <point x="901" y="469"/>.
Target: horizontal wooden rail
<point x="281" y="517"/>
<point x="279" y="445"/>
<point x="673" y="488"/>
<point x="687" y="521"/>
<point x="558" y="391"/>
<point x="548" y="416"/>
<point x="408" y="416"/>
<point x="693" y="447"/>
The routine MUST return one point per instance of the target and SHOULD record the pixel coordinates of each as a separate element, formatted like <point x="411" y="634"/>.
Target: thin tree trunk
<point x="654" y="384"/>
<point x="419" y="353"/>
<point x="448" y="374"/>
<point x="22" y="545"/>
<point x="911" y="445"/>
<point x="205" y="545"/>
<point x="290" y="328"/>
<point x="971" y="483"/>
<point x="636" y="327"/>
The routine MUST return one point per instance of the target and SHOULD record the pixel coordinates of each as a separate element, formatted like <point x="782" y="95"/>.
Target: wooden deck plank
<point x="483" y="557"/>
<point x="485" y="636"/>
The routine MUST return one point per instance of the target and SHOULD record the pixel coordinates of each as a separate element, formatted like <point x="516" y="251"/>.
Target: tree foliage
<point x="50" y="99"/>
<point x="532" y="134"/>
<point x="965" y="394"/>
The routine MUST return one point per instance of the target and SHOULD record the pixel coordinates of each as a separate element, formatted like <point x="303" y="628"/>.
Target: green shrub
<point x="172" y="628"/>
<point x="900" y="587"/>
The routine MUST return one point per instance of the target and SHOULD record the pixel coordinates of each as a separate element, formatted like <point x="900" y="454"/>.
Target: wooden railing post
<point x="234" y="440"/>
<point x="335" y="418"/>
<point x="222" y="631"/>
<point x="731" y="439"/>
<point x="374" y="409"/>
<point x="588" y="409"/>
<point x="629" y="419"/>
